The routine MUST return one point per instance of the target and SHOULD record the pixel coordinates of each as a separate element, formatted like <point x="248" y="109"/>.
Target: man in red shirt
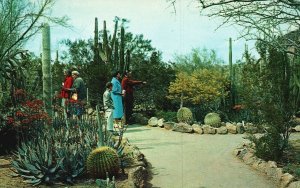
<point x="127" y="85"/>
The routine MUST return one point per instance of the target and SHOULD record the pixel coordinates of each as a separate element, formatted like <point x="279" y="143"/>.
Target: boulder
<point x="160" y="122"/>
<point x="208" y="129"/>
<point x="182" y="127"/>
<point x="295" y="184"/>
<point x="153" y="122"/>
<point x="138" y="176"/>
<point x="222" y="130"/>
<point x="139" y="118"/>
<point x="240" y="128"/>
<point x="197" y="128"/>
<point x="286" y="179"/>
<point x="297" y="128"/>
<point x="231" y="128"/>
<point x="168" y="125"/>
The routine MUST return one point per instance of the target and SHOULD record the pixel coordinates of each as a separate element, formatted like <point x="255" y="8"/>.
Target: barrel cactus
<point x="185" y="115"/>
<point x="212" y="119"/>
<point x="101" y="160"/>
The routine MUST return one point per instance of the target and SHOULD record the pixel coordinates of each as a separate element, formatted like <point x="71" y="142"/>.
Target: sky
<point x="171" y="33"/>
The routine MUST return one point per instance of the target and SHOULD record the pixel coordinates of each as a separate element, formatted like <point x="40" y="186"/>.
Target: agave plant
<point x="35" y="162"/>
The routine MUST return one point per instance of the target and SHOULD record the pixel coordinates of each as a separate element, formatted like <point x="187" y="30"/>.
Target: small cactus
<point x="212" y="119"/>
<point x="185" y="115"/>
<point x="101" y="161"/>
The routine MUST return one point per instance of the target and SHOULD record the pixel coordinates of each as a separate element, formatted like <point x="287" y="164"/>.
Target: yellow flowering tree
<point x="202" y="85"/>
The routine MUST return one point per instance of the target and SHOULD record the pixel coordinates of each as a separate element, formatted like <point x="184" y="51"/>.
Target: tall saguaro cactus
<point x="96" y="43"/>
<point x="46" y="69"/>
<point x="231" y="75"/>
<point x="122" y="46"/>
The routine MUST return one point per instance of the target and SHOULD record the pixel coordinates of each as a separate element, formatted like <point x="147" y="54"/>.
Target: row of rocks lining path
<point x="181" y="160"/>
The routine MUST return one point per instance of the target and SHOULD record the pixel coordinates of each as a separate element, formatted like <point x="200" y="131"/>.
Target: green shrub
<point x="167" y="115"/>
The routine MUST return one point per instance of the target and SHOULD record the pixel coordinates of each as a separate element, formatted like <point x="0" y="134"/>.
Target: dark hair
<point x="126" y="72"/>
<point x="108" y="84"/>
<point x="69" y="72"/>
<point x="115" y="73"/>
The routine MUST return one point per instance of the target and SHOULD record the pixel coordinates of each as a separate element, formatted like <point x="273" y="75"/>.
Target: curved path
<point x="181" y="160"/>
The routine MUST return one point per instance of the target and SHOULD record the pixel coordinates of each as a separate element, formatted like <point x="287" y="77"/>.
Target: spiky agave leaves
<point x="35" y="163"/>
<point x="101" y="161"/>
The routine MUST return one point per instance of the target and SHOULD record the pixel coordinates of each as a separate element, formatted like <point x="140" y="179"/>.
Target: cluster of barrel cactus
<point x="103" y="160"/>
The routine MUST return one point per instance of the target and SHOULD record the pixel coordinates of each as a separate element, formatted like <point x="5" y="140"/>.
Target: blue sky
<point x="169" y="32"/>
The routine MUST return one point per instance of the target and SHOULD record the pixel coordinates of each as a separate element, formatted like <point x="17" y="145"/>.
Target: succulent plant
<point x="213" y="119"/>
<point x="185" y="115"/>
<point x="101" y="160"/>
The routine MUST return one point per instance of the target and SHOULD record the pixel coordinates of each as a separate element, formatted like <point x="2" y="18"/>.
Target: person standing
<point x="66" y="85"/>
<point x="78" y="96"/>
<point x="116" y="95"/>
<point x="108" y="106"/>
<point x="127" y="84"/>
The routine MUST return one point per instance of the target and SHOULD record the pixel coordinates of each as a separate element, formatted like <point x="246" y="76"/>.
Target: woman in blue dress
<point x="116" y="95"/>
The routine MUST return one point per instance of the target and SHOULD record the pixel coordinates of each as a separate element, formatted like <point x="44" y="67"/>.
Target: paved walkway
<point x="181" y="160"/>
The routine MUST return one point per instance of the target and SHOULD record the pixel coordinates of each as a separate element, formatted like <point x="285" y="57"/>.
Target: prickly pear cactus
<point x="101" y="160"/>
<point x="185" y="115"/>
<point x="212" y="119"/>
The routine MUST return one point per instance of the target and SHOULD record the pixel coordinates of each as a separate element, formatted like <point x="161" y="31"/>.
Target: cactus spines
<point x="101" y="160"/>
<point x="185" y="115"/>
<point x="213" y="119"/>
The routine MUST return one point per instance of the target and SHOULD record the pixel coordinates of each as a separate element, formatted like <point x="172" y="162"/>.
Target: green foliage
<point x="106" y="183"/>
<point x="167" y="115"/>
<point x="270" y="146"/>
<point x="185" y="115"/>
<point x="202" y="86"/>
<point x="35" y="162"/>
<point x="101" y="160"/>
<point x="212" y="119"/>
<point x="58" y="153"/>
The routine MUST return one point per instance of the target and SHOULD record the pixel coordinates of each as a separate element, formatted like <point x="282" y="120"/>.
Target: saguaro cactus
<point x="96" y="43"/>
<point x="46" y="68"/>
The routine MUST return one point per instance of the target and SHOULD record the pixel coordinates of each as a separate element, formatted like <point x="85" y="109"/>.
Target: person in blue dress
<point x="116" y="95"/>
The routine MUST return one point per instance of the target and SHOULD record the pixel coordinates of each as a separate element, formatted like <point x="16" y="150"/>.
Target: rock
<point x="138" y="176"/>
<point x="222" y="130"/>
<point x="297" y="128"/>
<point x="197" y="129"/>
<point x="286" y="179"/>
<point x="208" y="129"/>
<point x="249" y="158"/>
<point x="240" y="128"/>
<point x="182" y="127"/>
<point x="231" y="128"/>
<point x="153" y="122"/>
<point x="295" y="184"/>
<point x="250" y="128"/>
<point x="160" y="122"/>
<point x="262" y="166"/>
<point x="168" y="125"/>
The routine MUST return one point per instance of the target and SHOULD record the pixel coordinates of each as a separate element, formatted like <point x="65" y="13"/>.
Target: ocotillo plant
<point x="46" y="68"/>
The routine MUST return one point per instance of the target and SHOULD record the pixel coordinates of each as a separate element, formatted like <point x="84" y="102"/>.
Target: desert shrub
<point x="167" y="115"/>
